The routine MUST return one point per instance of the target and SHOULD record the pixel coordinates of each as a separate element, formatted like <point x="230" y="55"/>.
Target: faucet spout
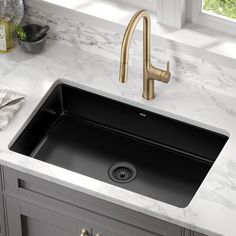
<point x="124" y="59"/>
<point x="150" y="73"/>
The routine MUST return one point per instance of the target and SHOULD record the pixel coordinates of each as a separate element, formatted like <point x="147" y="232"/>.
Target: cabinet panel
<point x="2" y="217"/>
<point x="31" y="217"/>
<point x="2" y="228"/>
<point x="28" y="220"/>
<point x="44" y="198"/>
<point x="2" y="221"/>
<point x="48" y="217"/>
<point x="1" y="180"/>
<point x="198" y="234"/>
<point x="27" y="187"/>
<point x="187" y="232"/>
<point x="13" y="217"/>
<point x="103" y="232"/>
<point x="32" y="227"/>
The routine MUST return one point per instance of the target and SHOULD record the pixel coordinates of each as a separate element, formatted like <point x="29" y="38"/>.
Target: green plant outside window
<point x="225" y="8"/>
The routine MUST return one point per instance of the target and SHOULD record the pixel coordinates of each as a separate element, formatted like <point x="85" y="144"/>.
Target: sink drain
<point x="122" y="172"/>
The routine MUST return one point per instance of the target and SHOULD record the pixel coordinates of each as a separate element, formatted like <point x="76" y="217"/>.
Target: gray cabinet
<point x="188" y="232"/>
<point x="2" y="221"/>
<point x="26" y="219"/>
<point x="36" y="207"/>
<point x="30" y="220"/>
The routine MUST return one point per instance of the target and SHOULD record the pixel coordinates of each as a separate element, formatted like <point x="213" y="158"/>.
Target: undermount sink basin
<point x="126" y="146"/>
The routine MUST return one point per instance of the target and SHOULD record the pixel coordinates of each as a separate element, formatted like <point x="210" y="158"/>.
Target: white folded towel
<point x="10" y="104"/>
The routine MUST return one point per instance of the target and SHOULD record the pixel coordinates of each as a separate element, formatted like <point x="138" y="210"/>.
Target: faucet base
<point x="149" y="97"/>
<point x="148" y="86"/>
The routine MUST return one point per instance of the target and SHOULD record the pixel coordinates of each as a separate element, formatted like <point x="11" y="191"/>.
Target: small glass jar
<point x="6" y="35"/>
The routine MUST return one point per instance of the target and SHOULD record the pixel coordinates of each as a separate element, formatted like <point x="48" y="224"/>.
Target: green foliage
<point x="222" y="7"/>
<point x="21" y="33"/>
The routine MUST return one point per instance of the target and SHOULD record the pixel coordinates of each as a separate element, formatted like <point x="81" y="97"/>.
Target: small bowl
<point x="29" y="46"/>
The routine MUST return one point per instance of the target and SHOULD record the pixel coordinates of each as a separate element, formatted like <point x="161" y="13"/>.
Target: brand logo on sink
<point x="142" y="114"/>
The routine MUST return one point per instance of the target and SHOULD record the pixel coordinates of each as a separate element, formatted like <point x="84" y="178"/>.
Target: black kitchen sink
<point x="123" y="145"/>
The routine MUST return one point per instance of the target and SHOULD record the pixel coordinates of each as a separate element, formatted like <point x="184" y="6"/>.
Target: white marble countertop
<point x="216" y="47"/>
<point x="212" y="210"/>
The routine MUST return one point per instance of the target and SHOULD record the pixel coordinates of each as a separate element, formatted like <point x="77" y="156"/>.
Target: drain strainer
<point x="122" y="172"/>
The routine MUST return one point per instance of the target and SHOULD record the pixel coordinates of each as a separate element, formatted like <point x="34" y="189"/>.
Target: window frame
<point x="210" y="20"/>
<point x="150" y="5"/>
<point x="175" y="13"/>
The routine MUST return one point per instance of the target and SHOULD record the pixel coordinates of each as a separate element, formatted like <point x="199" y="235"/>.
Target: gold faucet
<point x="150" y="73"/>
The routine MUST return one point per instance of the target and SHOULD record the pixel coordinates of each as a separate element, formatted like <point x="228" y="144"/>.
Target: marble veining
<point x="180" y="99"/>
<point x="107" y="43"/>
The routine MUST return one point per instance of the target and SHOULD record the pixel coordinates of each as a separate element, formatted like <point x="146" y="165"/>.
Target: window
<point x="143" y="4"/>
<point x="216" y="14"/>
<point x="225" y="8"/>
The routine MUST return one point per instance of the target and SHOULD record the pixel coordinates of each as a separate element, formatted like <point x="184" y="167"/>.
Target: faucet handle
<point x="165" y="75"/>
<point x="168" y="67"/>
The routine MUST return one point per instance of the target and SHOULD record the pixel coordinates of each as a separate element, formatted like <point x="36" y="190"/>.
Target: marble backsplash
<point x="103" y="42"/>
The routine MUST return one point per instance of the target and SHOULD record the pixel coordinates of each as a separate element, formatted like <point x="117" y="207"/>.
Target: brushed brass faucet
<point x="150" y="73"/>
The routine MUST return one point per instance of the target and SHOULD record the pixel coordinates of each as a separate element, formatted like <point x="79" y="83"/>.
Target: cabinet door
<point x="29" y="220"/>
<point x="26" y="219"/>
<point x="107" y="219"/>
<point x="2" y="220"/>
